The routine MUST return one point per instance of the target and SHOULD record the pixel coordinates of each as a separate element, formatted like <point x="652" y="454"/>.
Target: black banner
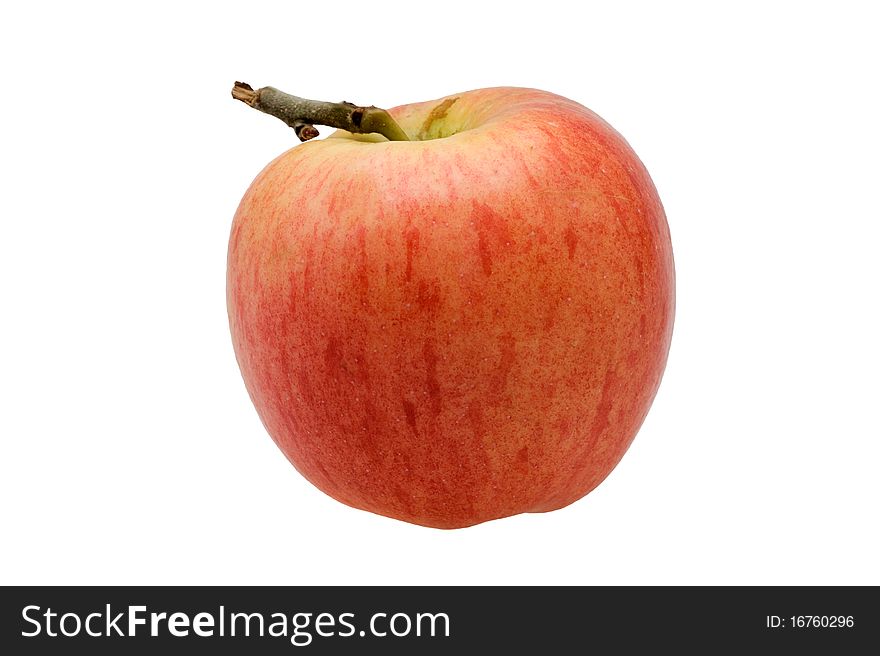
<point x="436" y="620"/>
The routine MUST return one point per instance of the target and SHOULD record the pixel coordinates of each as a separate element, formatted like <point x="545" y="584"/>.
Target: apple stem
<point x="302" y="115"/>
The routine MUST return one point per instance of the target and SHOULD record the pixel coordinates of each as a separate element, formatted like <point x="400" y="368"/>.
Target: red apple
<point x="458" y="328"/>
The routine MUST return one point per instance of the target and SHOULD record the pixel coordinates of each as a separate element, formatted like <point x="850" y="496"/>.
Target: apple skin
<point x="453" y="330"/>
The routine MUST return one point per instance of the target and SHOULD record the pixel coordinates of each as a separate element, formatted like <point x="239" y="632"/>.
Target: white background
<point x="131" y="453"/>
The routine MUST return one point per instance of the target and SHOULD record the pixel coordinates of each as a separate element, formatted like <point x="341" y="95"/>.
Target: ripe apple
<point x="461" y="327"/>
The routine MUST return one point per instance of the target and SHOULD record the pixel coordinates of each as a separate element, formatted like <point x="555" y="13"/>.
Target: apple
<point x="461" y="327"/>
